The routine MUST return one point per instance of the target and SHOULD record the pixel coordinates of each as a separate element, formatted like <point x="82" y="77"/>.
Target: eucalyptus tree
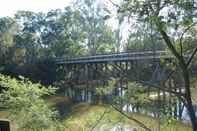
<point x="173" y="19"/>
<point x="118" y="33"/>
<point x="45" y="36"/>
<point x="48" y="35"/>
<point x="59" y="35"/>
<point x="28" y="38"/>
<point x="8" y="30"/>
<point x="143" y="38"/>
<point x="99" y="37"/>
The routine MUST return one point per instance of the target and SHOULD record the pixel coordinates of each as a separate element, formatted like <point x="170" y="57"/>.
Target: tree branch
<point x="163" y="88"/>
<point x="98" y="121"/>
<point x="116" y="5"/>
<point x="182" y="35"/>
<point x="169" y="75"/>
<point x="131" y="118"/>
<point x="192" y="56"/>
<point x="169" y="44"/>
<point x="178" y="94"/>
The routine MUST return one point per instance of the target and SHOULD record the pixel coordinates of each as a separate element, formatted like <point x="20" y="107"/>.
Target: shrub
<point x="25" y="104"/>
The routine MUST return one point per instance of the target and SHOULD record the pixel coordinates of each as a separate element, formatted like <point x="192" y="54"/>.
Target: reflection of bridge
<point x="115" y="57"/>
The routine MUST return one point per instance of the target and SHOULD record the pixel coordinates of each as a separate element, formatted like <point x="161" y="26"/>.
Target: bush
<point x="24" y="101"/>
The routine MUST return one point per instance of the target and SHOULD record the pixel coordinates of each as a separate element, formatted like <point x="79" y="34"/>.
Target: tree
<point x="99" y="37"/>
<point x="145" y="38"/>
<point x="30" y="39"/>
<point x="8" y="29"/>
<point x="23" y="99"/>
<point x="172" y="19"/>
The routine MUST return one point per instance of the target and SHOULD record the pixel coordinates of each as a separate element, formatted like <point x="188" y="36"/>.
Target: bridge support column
<point x="87" y="66"/>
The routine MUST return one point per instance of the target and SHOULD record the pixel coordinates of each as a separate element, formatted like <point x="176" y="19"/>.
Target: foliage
<point x="84" y="116"/>
<point x="107" y="89"/>
<point x="143" y="38"/>
<point x="99" y="37"/>
<point x="29" y="42"/>
<point x="173" y="20"/>
<point x="136" y="93"/>
<point x="172" y="16"/>
<point x="24" y="101"/>
<point x="30" y="39"/>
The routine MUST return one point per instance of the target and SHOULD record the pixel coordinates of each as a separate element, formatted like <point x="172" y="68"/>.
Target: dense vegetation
<point x="31" y="42"/>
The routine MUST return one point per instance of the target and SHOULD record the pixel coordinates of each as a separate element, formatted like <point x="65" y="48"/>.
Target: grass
<point x="83" y="117"/>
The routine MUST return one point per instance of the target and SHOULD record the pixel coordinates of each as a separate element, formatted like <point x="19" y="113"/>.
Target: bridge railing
<point x="113" y="57"/>
<point x="122" y="54"/>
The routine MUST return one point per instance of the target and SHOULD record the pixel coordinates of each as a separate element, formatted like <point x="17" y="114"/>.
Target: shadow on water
<point x="176" y="110"/>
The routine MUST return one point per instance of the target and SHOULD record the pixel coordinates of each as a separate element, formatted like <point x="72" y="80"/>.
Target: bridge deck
<point x="126" y="56"/>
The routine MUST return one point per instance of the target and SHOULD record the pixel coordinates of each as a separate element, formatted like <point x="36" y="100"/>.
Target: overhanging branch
<point x="182" y="35"/>
<point x="99" y="120"/>
<point x="178" y="94"/>
<point x="192" y="56"/>
<point x="131" y="118"/>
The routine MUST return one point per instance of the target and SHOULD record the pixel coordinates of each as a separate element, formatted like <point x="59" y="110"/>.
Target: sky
<point x="10" y="7"/>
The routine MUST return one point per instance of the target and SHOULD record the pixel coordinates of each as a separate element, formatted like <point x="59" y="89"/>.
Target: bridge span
<point x="115" y="57"/>
<point x="84" y="76"/>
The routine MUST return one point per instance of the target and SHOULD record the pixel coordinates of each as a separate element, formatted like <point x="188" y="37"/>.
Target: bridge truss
<point x="149" y="68"/>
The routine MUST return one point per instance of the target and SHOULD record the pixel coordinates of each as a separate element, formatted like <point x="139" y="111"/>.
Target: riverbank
<point x="88" y="117"/>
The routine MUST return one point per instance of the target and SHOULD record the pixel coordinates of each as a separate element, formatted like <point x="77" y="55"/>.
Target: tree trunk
<point x="189" y="104"/>
<point x="185" y="74"/>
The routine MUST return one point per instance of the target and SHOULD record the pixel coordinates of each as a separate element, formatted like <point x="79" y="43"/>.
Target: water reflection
<point x="178" y="110"/>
